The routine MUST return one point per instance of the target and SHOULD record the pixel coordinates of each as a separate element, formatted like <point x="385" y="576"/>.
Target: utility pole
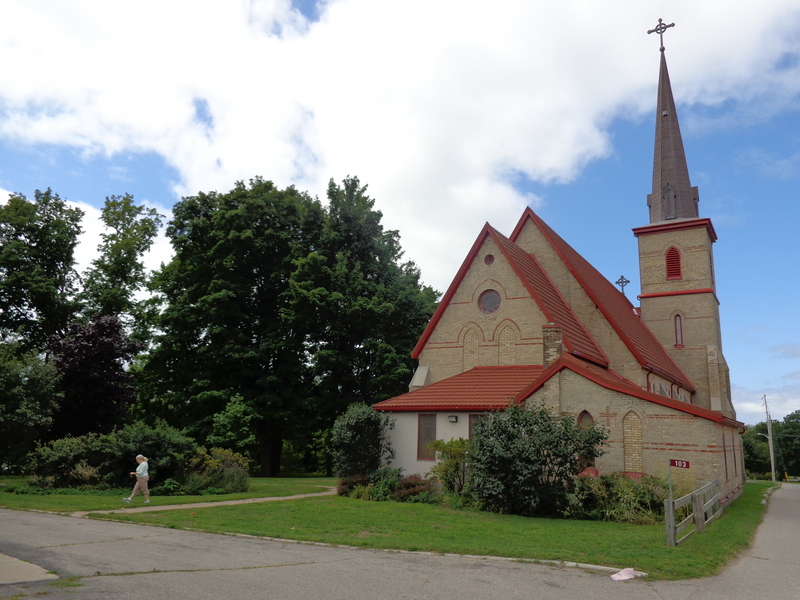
<point x="769" y="439"/>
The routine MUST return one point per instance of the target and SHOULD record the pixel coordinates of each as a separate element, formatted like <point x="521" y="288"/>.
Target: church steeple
<point x="673" y="196"/>
<point x="676" y="264"/>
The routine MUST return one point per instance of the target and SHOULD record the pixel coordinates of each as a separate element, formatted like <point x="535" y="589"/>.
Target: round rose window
<point x="488" y="259"/>
<point x="489" y="302"/>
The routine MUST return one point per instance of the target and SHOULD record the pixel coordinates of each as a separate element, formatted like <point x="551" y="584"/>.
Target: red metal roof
<point x="495" y="388"/>
<point x="479" y="389"/>
<point x="616" y="308"/>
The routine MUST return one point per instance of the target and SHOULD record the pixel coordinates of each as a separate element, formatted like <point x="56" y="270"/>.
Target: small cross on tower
<point x="660" y="29"/>
<point x="622" y="282"/>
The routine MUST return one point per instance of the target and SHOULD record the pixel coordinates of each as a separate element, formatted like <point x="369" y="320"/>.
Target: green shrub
<point x="175" y="463"/>
<point x="359" y="441"/>
<point x="169" y="487"/>
<point x="524" y="460"/>
<point x="217" y="471"/>
<point x="165" y="447"/>
<point x="451" y="465"/>
<point x="617" y="497"/>
<point x="66" y="462"/>
<point x="384" y="482"/>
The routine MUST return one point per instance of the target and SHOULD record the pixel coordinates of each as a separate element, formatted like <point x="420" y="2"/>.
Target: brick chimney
<point x="552" y="345"/>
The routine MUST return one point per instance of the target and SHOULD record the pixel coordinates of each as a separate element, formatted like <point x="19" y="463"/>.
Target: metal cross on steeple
<point x="660" y="29"/>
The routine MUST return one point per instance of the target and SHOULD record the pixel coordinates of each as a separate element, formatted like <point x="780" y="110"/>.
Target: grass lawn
<point x="393" y="525"/>
<point x="260" y="487"/>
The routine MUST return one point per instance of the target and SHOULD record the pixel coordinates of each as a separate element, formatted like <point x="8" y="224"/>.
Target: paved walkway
<point x="163" y="507"/>
<point x="127" y="561"/>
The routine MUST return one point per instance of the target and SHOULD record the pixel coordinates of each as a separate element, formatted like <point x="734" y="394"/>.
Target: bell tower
<point x="676" y="262"/>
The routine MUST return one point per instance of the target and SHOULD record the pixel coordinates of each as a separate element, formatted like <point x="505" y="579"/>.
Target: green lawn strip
<point x="405" y="526"/>
<point x="260" y="487"/>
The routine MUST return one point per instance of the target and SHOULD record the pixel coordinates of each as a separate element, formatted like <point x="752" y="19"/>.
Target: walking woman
<point x="141" y="480"/>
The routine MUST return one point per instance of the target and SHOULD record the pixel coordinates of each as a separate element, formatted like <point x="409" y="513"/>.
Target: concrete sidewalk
<point x="14" y="570"/>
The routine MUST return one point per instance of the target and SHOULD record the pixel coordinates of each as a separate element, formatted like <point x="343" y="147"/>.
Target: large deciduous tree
<point x="363" y="309"/>
<point x="279" y="312"/>
<point x="37" y="276"/>
<point x="225" y="332"/>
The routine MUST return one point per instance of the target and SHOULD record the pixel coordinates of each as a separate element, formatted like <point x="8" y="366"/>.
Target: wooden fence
<point x="705" y="508"/>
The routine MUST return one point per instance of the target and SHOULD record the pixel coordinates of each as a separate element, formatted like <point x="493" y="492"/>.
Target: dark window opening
<point x="426" y="434"/>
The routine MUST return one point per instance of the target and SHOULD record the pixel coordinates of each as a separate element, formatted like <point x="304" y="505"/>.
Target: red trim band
<point x="680" y="293"/>
<point x="677" y="226"/>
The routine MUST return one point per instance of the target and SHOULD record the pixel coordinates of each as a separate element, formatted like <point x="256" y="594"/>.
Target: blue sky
<point x="454" y="113"/>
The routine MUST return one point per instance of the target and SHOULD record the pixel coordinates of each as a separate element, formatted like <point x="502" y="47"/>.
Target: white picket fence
<point x="705" y="508"/>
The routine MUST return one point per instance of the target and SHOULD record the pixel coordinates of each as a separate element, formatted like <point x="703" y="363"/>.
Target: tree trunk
<point x="270" y="448"/>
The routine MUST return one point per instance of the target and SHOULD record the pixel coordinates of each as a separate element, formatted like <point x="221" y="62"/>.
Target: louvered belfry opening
<point x="673" y="263"/>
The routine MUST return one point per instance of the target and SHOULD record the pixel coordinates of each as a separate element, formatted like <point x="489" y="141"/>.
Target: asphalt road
<point x="117" y="560"/>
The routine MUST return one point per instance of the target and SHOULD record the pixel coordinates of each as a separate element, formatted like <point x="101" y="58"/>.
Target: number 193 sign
<point x="681" y="464"/>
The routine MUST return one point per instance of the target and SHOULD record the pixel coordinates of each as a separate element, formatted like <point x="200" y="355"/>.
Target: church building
<point x="529" y="320"/>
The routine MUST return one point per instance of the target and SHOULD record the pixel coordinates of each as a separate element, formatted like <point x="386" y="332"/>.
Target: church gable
<point x="498" y="281"/>
<point x="486" y="318"/>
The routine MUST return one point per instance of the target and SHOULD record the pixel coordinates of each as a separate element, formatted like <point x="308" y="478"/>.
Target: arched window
<point x="673" y="263"/>
<point x="585" y="420"/>
<point x="678" y="331"/>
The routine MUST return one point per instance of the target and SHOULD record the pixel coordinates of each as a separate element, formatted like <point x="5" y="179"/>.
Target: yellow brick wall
<point x="465" y="337"/>
<point x="701" y="355"/>
<point x="665" y="433"/>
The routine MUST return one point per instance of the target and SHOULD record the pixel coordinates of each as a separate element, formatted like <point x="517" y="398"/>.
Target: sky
<point x="454" y="113"/>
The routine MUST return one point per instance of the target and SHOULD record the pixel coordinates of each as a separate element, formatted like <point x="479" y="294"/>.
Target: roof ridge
<point x="616" y="308"/>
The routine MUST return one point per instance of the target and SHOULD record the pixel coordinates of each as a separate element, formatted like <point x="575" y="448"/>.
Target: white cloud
<point x="749" y="403"/>
<point x="435" y="105"/>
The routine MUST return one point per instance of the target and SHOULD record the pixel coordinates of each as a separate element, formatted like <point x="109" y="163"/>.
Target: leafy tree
<point x="118" y="273"/>
<point x="233" y="428"/>
<point x="786" y="441"/>
<point x="788" y="438"/>
<point x="96" y="388"/>
<point x="756" y="449"/>
<point x="362" y="308"/>
<point x="225" y="333"/>
<point x="359" y="441"/>
<point x="28" y="401"/>
<point x="37" y="277"/>
<point x="524" y="460"/>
